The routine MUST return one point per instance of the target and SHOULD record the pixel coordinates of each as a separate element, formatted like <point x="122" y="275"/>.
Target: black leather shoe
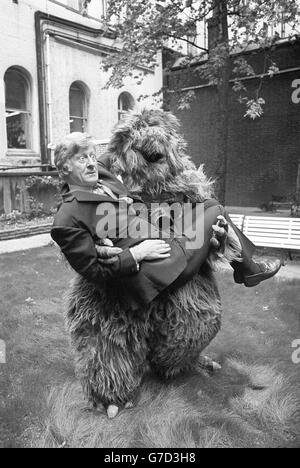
<point x="268" y="270"/>
<point x="238" y="277"/>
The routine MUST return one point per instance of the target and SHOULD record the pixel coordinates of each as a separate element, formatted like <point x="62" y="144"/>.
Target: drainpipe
<point x="41" y="80"/>
<point x="49" y="97"/>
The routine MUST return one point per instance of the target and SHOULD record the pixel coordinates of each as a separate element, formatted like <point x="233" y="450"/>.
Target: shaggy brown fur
<point x="113" y="345"/>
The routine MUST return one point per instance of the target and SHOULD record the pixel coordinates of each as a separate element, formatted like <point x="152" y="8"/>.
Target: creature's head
<point x="147" y="150"/>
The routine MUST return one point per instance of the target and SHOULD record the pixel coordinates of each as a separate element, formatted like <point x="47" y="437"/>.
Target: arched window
<point x="125" y="103"/>
<point x="95" y="8"/>
<point x="18" y="109"/>
<point x="78" y="101"/>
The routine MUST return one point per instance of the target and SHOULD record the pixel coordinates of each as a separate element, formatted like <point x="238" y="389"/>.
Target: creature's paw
<point x="129" y="405"/>
<point x="220" y="234"/>
<point x="107" y="253"/>
<point x="206" y="363"/>
<point x="112" y="411"/>
<point x="216" y="366"/>
<point x="225" y="245"/>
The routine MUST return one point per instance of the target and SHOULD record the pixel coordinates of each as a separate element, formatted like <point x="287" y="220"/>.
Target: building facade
<point x="51" y="83"/>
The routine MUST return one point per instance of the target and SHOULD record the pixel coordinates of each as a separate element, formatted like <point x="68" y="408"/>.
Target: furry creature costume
<point x="114" y="346"/>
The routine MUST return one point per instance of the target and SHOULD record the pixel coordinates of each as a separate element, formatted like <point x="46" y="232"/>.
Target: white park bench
<point x="279" y="233"/>
<point x="238" y="220"/>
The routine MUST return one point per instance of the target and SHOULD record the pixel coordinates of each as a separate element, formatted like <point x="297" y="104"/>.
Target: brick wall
<point x="263" y="154"/>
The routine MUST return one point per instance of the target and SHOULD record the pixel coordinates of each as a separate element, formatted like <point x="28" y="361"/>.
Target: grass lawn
<point x="253" y="402"/>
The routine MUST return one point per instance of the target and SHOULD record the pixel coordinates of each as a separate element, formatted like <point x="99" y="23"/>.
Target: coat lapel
<point x="85" y="196"/>
<point x="108" y="179"/>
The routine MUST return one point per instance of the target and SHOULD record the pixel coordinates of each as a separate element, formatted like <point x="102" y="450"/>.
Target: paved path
<point x="17" y="245"/>
<point x="290" y="271"/>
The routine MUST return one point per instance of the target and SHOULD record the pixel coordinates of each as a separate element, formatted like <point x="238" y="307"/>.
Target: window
<point x="192" y="41"/>
<point x="125" y="103"/>
<point x="78" y="107"/>
<point x="17" y="109"/>
<point x="83" y="6"/>
<point x="95" y="8"/>
<point x="76" y="4"/>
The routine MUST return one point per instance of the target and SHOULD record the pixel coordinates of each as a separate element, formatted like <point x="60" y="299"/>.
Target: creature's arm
<point x="198" y="189"/>
<point x="107" y="253"/>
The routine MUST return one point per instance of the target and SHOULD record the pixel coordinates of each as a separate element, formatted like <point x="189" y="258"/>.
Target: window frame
<point x="83" y="89"/>
<point x="98" y="12"/>
<point x="121" y="111"/>
<point x="27" y="112"/>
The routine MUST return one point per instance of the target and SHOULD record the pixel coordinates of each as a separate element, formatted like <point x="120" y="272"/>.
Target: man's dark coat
<point x="75" y="231"/>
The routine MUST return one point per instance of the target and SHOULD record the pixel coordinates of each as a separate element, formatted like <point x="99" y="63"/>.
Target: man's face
<point x="82" y="168"/>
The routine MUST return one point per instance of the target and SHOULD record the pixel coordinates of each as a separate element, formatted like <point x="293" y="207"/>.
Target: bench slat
<point x="237" y="220"/>
<point x="274" y="231"/>
<point x="271" y="236"/>
<point x="273" y="226"/>
<point x="271" y="229"/>
<point x="262" y="218"/>
<point x="262" y="241"/>
<point x="272" y="239"/>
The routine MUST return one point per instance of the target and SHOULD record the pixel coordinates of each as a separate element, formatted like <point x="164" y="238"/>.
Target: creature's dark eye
<point x="155" y="157"/>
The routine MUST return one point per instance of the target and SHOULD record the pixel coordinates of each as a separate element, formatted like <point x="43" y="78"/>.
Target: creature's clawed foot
<point x="216" y="366"/>
<point x="112" y="411"/>
<point x="129" y="405"/>
<point x="206" y="363"/>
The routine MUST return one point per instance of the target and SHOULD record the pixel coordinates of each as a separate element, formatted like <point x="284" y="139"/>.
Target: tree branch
<point x="173" y="36"/>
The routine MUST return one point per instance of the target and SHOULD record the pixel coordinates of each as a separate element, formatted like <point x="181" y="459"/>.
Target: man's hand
<point x="151" y="250"/>
<point x="107" y="253"/>
<point x="220" y="234"/>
